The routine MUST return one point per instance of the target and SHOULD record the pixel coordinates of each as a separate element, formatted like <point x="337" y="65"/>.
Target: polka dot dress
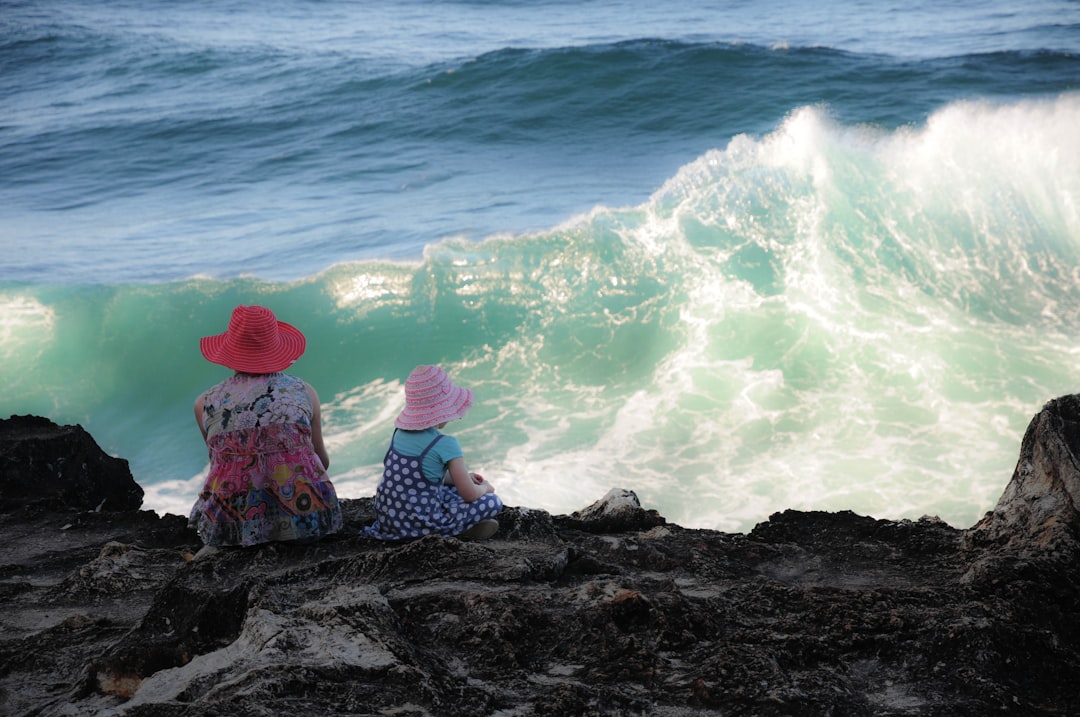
<point x="408" y="505"/>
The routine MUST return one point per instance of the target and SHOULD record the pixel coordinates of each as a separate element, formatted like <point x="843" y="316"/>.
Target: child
<point x="426" y="488"/>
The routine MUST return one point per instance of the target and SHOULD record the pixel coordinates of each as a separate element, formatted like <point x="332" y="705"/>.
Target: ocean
<point x="736" y="257"/>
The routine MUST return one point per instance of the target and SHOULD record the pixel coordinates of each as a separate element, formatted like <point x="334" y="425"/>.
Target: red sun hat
<point x="256" y="342"/>
<point x="431" y="399"/>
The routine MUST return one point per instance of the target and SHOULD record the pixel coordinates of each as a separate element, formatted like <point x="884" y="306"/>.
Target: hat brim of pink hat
<point x="455" y="406"/>
<point x="290" y="346"/>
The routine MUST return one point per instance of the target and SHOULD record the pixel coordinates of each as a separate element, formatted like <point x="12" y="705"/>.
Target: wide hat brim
<point x="255" y="345"/>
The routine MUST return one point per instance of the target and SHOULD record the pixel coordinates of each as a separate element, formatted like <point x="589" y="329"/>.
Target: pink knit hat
<point x="256" y="342"/>
<point x="431" y="398"/>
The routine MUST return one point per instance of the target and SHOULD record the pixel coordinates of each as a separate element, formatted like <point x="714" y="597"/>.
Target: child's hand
<point x="478" y="479"/>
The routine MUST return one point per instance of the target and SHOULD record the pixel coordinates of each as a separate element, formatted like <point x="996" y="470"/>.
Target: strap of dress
<point x="422" y="453"/>
<point x="429" y="447"/>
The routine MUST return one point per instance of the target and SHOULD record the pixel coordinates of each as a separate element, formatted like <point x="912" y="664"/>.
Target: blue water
<point x="738" y="259"/>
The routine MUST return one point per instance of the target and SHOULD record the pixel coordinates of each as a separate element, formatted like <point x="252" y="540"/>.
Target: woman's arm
<point x="471" y="486"/>
<point x="199" y="416"/>
<point x="316" y="427"/>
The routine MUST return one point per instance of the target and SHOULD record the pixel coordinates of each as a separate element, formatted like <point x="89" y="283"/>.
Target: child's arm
<point x="471" y="486"/>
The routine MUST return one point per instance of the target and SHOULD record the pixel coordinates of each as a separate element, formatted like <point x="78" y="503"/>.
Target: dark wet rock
<point x="607" y="611"/>
<point x="43" y="465"/>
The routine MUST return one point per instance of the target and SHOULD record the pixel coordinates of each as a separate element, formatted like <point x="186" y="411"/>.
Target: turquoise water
<point x="734" y="266"/>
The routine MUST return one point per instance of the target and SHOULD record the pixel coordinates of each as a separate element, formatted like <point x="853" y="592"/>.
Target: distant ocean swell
<point x="183" y="152"/>
<point x="825" y="317"/>
<point x="137" y="82"/>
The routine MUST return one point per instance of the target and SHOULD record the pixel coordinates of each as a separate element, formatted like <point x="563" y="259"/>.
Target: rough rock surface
<point x="608" y="611"/>
<point x="1040" y="508"/>
<point x="50" y="466"/>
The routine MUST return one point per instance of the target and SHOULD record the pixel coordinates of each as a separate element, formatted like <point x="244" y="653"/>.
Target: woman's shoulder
<point x="218" y="387"/>
<point x="249" y="384"/>
<point x="286" y="382"/>
<point x="285" y="378"/>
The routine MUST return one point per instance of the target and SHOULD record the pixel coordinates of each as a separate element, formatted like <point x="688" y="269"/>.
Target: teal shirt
<point x="413" y="443"/>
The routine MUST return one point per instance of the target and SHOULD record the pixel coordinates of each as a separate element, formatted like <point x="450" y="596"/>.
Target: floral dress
<point x="265" y="480"/>
<point x="410" y="505"/>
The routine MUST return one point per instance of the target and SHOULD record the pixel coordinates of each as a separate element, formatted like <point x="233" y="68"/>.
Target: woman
<point x="267" y="478"/>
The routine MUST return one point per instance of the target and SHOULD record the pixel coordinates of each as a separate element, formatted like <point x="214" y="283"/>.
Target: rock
<point x="48" y="466"/>
<point x="608" y="611"/>
<point x="616" y="512"/>
<point x="1040" y="507"/>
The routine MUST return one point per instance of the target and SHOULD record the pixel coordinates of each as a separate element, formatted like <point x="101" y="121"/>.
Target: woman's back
<point x="245" y="401"/>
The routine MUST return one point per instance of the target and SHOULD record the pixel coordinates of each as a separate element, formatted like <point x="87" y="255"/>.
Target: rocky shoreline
<point x="111" y="610"/>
